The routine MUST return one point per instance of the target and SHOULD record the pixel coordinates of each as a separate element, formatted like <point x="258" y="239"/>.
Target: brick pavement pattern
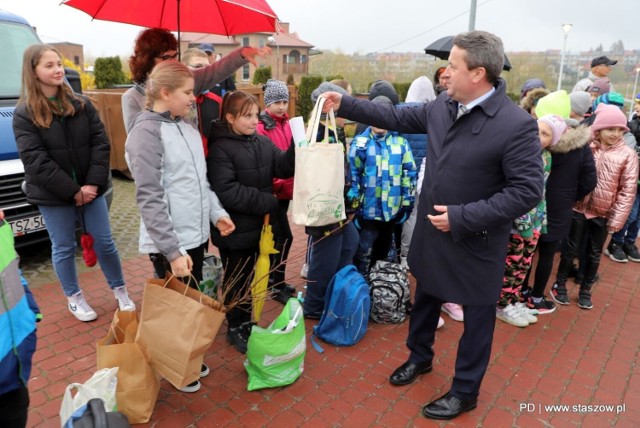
<point x="572" y="357"/>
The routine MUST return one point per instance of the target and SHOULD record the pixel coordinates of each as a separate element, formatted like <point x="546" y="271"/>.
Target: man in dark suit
<point x="483" y="170"/>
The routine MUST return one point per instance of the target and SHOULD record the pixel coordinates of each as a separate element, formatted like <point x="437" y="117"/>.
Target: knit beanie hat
<point x="421" y="91"/>
<point x="381" y="99"/>
<point x="557" y="103"/>
<point x="529" y="85"/>
<point x="557" y="124"/>
<point x="609" y="116"/>
<point x="326" y="87"/>
<point x="580" y="102"/>
<point x="600" y="86"/>
<point x="274" y="91"/>
<point x="382" y="87"/>
<point x="612" y="98"/>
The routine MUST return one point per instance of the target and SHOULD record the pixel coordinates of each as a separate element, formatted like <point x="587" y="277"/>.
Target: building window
<point x="76" y="60"/>
<point x="262" y="42"/>
<point x="303" y="59"/>
<point x="245" y="41"/>
<point x="245" y="72"/>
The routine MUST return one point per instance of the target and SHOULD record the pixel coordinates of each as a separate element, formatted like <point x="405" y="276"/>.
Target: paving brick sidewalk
<point x="571" y="357"/>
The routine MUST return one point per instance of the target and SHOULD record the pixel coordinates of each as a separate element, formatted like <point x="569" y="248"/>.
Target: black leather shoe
<point x="448" y="407"/>
<point x="408" y="372"/>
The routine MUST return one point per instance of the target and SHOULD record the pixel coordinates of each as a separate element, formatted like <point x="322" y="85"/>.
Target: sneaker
<point x="305" y="271"/>
<point x="616" y="253"/>
<point x="632" y="252"/>
<point x="543" y="306"/>
<point x="440" y="323"/>
<point x="584" y="299"/>
<point x="80" y="309"/>
<point x="526" y="313"/>
<point x="559" y="294"/>
<point x="124" y="302"/>
<point x="453" y="310"/>
<point x="511" y="315"/>
<point x="192" y="387"/>
<point x="238" y="337"/>
<point x="204" y="370"/>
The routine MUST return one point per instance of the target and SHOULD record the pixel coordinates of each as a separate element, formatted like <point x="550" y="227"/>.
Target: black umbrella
<point x="442" y="47"/>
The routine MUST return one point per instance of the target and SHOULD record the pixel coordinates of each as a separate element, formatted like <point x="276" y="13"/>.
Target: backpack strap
<point x="199" y="100"/>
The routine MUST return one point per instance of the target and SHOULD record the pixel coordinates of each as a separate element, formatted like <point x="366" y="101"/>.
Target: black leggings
<point x="238" y="274"/>
<point x="546" y="251"/>
<point x="161" y="265"/>
<point x="13" y="408"/>
<point x="283" y="239"/>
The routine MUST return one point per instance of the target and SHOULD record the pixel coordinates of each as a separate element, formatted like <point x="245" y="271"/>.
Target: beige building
<point x="290" y="54"/>
<point x="71" y="51"/>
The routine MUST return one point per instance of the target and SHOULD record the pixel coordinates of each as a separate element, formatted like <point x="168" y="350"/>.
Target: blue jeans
<point x="61" y="226"/>
<point x="327" y="255"/>
<point x="629" y="232"/>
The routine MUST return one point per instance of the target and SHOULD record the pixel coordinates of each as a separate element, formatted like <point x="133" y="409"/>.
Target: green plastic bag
<point x="275" y="355"/>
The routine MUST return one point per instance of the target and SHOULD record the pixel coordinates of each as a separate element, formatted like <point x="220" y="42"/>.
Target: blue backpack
<point x="346" y="309"/>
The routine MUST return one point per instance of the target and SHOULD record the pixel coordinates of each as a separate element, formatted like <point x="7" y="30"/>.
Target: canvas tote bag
<point x="138" y="384"/>
<point x="177" y="326"/>
<point x="318" y="183"/>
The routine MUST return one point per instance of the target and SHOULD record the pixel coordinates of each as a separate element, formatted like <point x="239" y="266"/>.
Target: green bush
<point x="307" y="85"/>
<point x="108" y="72"/>
<point x="402" y="89"/>
<point x="261" y="75"/>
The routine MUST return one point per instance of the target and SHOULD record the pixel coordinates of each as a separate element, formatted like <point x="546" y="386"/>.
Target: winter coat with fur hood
<point x="573" y="176"/>
<point x="617" y="169"/>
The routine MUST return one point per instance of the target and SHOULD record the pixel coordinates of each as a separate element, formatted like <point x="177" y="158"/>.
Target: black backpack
<point x="96" y="417"/>
<point x="390" y="294"/>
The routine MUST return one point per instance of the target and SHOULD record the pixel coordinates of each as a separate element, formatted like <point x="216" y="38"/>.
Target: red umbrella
<point x="226" y="17"/>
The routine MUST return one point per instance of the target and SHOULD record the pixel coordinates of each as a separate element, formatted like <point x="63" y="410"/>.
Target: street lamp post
<point x="273" y="40"/>
<point x="566" y="28"/>
<point x="633" y="94"/>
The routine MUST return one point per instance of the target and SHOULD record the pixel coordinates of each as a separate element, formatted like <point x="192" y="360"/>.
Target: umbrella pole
<point x="179" y="48"/>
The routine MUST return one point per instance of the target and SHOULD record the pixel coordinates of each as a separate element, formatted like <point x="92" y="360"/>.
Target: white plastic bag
<point x="101" y="385"/>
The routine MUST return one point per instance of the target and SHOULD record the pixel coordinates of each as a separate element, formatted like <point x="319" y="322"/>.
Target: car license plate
<point x="28" y="225"/>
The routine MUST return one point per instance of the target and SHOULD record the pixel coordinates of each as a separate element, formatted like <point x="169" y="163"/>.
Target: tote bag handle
<point x="314" y="122"/>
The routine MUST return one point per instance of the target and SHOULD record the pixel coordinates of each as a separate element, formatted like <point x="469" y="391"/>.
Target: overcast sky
<point x="380" y="25"/>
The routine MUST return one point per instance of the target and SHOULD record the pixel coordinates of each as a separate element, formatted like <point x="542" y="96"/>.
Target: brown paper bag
<point x="177" y="326"/>
<point x="138" y="384"/>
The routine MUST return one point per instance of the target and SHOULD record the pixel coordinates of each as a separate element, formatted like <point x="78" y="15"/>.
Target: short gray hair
<point x="483" y="49"/>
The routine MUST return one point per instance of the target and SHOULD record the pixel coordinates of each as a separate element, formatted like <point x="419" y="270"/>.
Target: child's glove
<point x="402" y="215"/>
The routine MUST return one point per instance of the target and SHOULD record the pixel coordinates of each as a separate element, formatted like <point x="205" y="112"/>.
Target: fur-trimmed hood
<point x="532" y="97"/>
<point x="573" y="139"/>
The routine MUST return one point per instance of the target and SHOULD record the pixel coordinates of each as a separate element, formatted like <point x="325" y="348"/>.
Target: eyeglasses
<point x="167" y="57"/>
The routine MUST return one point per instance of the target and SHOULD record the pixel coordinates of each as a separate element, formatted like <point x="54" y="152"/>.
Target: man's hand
<point x="440" y="221"/>
<point x="332" y="101"/>
<point x="181" y="266"/>
<point x="225" y="226"/>
<point x="249" y="53"/>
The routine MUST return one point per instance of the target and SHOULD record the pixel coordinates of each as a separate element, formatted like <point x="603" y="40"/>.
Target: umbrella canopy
<point x="226" y="17"/>
<point x="263" y="265"/>
<point x="442" y="47"/>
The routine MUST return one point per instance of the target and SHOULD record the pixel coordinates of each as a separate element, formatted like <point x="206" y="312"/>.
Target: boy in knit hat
<point x="580" y="105"/>
<point x="605" y="210"/>
<point x="274" y="123"/>
<point x="599" y="87"/>
<point x="383" y="178"/>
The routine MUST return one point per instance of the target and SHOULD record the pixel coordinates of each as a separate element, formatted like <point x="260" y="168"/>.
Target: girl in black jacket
<point x="241" y="166"/>
<point x="65" y="152"/>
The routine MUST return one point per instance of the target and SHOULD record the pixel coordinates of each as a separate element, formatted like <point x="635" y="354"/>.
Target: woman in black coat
<point x="241" y="166"/>
<point x="573" y="176"/>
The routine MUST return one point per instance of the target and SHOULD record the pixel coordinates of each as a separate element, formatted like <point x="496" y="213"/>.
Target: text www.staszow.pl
<point x="573" y="408"/>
